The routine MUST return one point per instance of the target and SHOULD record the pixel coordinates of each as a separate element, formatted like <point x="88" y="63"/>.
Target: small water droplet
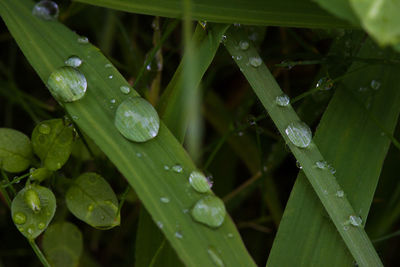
<point x="30" y="230"/>
<point x="160" y="224"/>
<point x="44" y="128"/>
<point x="45" y="9"/>
<point x="32" y="199"/>
<point x="178" y="235"/>
<point x="177" y="168"/>
<point x="223" y="38"/>
<point x="244" y="45"/>
<point x="19" y="218"/>
<point x="230" y="235"/>
<point x="112" y="101"/>
<point x="282" y="100"/>
<point x="108" y="65"/>
<point x="138" y="154"/>
<point x="355" y="220"/>
<point x="239" y="57"/>
<point x="90" y="207"/>
<point x="299" y="134"/>
<point x="41" y="225"/>
<point x="331" y="169"/>
<point x="83" y="40"/>
<point x="340" y="193"/>
<point x="67" y="84"/>
<point x="209" y="210"/>
<point x="73" y="61"/>
<point x="324" y="84"/>
<point x="298" y="165"/>
<point x="164" y="199"/>
<point x="237" y="25"/>
<point x="375" y="84"/>
<point x="166" y="167"/>
<point x="125" y="89"/>
<point x="323" y="165"/>
<point x="199" y="182"/>
<point x="345" y="228"/>
<point x="137" y="120"/>
<point x="215" y="257"/>
<point x="203" y="24"/>
<point x="110" y="76"/>
<point x="255" y="61"/>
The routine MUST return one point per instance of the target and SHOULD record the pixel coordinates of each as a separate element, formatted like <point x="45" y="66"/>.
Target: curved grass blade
<point x="47" y="44"/>
<point x="290" y="13"/>
<point x="324" y="183"/>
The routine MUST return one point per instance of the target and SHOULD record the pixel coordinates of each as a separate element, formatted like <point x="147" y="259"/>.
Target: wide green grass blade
<point x="290" y="13"/>
<point x="324" y="183"/>
<point x="350" y="139"/>
<point x="47" y="44"/>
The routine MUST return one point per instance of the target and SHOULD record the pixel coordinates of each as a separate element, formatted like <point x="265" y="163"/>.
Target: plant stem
<point x="39" y="253"/>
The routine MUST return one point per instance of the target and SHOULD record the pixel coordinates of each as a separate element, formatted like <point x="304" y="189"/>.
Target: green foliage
<point x="52" y="142"/>
<point x="91" y="199"/>
<point x="15" y="150"/>
<point x="32" y="210"/>
<point x="63" y="244"/>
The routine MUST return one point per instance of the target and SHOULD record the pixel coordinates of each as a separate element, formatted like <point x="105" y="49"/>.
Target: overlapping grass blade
<point x="324" y="183"/>
<point x="47" y="44"/>
<point x="291" y="13"/>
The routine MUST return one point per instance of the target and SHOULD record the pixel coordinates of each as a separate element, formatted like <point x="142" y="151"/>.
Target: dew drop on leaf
<point x="282" y="100"/>
<point x="255" y="61"/>
<point x="67" y="84"/>
<point x="244" y="45"/>
<point x="209" y="210"/>
<point x="299" y="134"/>
<point x="215" y="257"/>
<point x="375" y="84"/>
<point x="32" y="199"/>
<point x="41" y="225"/>
<point x="73" y="61"/>
<point x="83" y="40"/>
<point x="177" y="168"/>
<point x="19" y="218"/>
<point x="199" y="182"/>
<point x="137" y="120"/>
<point x="324" y="84"/>
<point x="178" y="235"/>
<point x="125" y="89"/>
<point x="44" y="128"/>
<point x="355" y="220"/>
<point x="45" y="9"/>
<point x="164" y="199"/>
<point x="340" y="193"/>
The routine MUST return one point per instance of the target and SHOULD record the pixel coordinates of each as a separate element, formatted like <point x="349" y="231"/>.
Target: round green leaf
<point x="63" y="244"/>
<point x="15" y="150"/>
<point x="92" y="200"/>
<point x="52" y="142"/>
<point x="32" y="209"/>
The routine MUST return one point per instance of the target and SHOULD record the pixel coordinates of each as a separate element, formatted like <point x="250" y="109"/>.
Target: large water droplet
<point x="244" y="45"/>
<point x="375" y="84"/>
<point x="255" y="61"/>
<point x="73" y="61"/>
<point x="45" y="9"/>
<point x="67" y="84"/>
<point x="19" y="218"/>
<point x="215" y="257"/>
<point x="137" y="120"/>
<point x="125" y="89"/>
<point x="282" y="100"/>
<point x="209" y="210"/>
<point x="199" y="182"/>
<point x="44" y="128"/>
<point x="299" y="134"/>
<point x="355" y="220"/>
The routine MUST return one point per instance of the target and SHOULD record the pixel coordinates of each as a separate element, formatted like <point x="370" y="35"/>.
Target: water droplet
<point x="32" y="199"/>
<point x="298" y="165"/>
<point x="73" y="61"/>
<point x="108" y="65"/>
<point x="323" y="165"/>
<point x="30" y="230"/>
<point x="44" y="128"/>
<point x="237" y="25"/>
<point x="19" y="218"/>
<point x="223" y="38"/>
<point x="255" y="61"/>
<point x="362" y="89"/>
<point x="41" y="225"/>
<point x="125" y="89"/>
<point x="203" y="24"/>
<point x="375" y="84"/>
<point x="215" y="257"/>
<point x="112" y="101"/>
<point x="331" y="169"/>
<point x="178" y="235"/>
<point x="160" y="224"/>
<point x="345" y="228"/>
<point x="340" y="193"/>
<point x="299" y="134"/>
<point x="138" y="154"/>
<point x="166" y="167"/>
<point x="110" y="76"/>
<point x="67" y="84"/>
<point x="209" y="210"/>
<point x="230" y="235"/>
<point x="244" y="45"/>
<point x="324" y="84"/>
<point x="282" y="100"/>
<point x="164" y="199"/>
<point x="45" y="9"/>
<point x="355" y="220"/>
<point x="239" y="57"/>
<point x="199" y="182"/>
<point x="90" y="207"/>
<point x="177" y="168"/>
<point x="83" y="40"/>
<point x="137" y="120"/>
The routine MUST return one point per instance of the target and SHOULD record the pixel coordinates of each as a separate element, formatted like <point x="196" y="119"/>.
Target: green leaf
<point x="380" y="19"/>
<point x="92" y="200"/>
<point x="52" y="142"/>
<point x="291" y="13"/>
<point x="15" y="150"/>
<point x="341" y="8"/>
<point x="94" y="116"/>
<point x="323" y="182"/>
<point x="40" y="174"/>
<point x="32" y="209"/>
<point x="63" y="244"/>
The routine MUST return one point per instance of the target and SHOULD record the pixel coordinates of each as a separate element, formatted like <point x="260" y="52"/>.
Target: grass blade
<point x="323" y="182"/>
<point x="291" y="13"/>
<point x="46" y="45"/>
